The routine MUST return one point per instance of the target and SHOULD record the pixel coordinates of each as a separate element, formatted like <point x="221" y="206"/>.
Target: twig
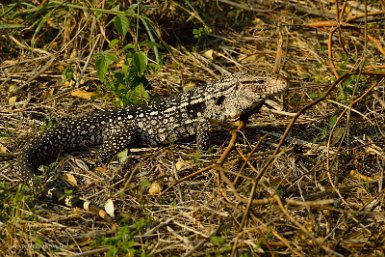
<point x="221" y="160"/>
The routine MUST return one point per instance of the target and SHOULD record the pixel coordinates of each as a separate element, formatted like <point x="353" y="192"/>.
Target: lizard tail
<point x="74" y="201"/>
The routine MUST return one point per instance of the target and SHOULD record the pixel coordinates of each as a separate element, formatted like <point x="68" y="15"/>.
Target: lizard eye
<point x="219" y="100"/>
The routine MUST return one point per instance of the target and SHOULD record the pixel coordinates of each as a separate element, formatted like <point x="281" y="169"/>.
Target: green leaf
<point x="333" y="120"/>
<point x="68" y="74"/>
<point x="40" y="26"/>
<point x="113" y="43"/>
<point x="122" y="156"/>
<point x="102" y="68"/>
<point x="140" y="62"/>
<point x="11" y="26"/>
<point x="98" y="14"/>
<point x="138" y="94"/>
<point x="313" y="95"/>
<point x="128" y="46"/>
<point x="217" y="240"/>
<point x="103" y="63"/>
<point x="121" y="24"/>
<point x="153" y="67"/>
<point x="112" y="250"/>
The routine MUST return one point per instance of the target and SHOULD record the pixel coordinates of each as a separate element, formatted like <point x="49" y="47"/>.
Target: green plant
<point x="131" y="54"/>
<point x="221" y="244"/>
<point x="124" y="240"/>
<point x="14" y="201"/>
<point x="49" y="122"/>
<point x="199" y="33"/>
<point x="128" y="83"/>
<point x="68" y="74"/>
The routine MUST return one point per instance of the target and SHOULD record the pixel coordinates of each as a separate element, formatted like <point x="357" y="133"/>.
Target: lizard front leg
<point x="203" y="134"/>
<point x="116" y="137"/>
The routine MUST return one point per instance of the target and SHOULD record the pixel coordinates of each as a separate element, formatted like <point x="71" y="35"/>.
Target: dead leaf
<point x="155" y="188"/>
<point x="83" y="94"/>
<point x="188" y="86"/>
<point x="360" y="177"/>
<point x="209" y="54"/>
<point x="70" y="179"/>
<point x="2" y="149"/>
<point x="122" y="156"/>
<point x="109" y="207"/>
<point x="12" y="100"/>
<point x="181" y="164"/>
<point x="253" y="58"/>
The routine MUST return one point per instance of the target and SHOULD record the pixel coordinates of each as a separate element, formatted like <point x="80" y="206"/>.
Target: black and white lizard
<point x="162" y="121"/>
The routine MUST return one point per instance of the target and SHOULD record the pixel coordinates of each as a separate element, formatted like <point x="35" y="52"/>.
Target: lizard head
<point x="250" y="93"/>
<point x="260" y="87"/>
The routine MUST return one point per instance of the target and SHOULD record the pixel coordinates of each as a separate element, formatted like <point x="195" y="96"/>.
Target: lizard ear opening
<point x="219" y="100"/>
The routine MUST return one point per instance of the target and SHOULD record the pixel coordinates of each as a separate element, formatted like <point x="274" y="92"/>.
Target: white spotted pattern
<point x="153" y="123"/>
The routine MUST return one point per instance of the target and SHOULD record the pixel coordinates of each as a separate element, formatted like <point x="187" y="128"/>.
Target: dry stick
<point x="245" y="7"/>
<point x="231" y="185"/>
<point x="249" y="156"/>
<point x="342" y="45"/>
<point x="247" y="159"/>
<point x="241" y="124"/>
<point x="337" y="9"/>
<point x="251" y="197"/>
<point x="285" y="242"/>
<point x="330" y="51"/>
<point x="278" y="55"/>
<point x="218" y="164"/>
<point x="377" y="44"/>
<point x="359" y="16"/>
<point x="83" y="70"/>
<point x="252" y="193"/>
<point x="343" y="9"/>
<point x="321" y="24"/>
<point x="339" y="25"/>
<point x="330" y="42"/>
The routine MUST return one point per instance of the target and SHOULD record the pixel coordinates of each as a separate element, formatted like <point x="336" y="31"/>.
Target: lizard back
<point x="160" y="121"/>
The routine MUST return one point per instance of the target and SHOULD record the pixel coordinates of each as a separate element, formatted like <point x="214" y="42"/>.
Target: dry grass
<point x="316" y="191"/>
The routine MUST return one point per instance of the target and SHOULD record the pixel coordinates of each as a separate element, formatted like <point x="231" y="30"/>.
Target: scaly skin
<point x="154" y="123"/>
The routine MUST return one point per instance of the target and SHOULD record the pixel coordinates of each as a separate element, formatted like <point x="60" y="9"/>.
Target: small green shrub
<point x="123" y="243"/>
<point x="127" y="83"/>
